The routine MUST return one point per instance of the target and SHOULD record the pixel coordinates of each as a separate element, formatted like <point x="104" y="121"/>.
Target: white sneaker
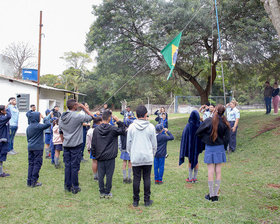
<point x="12" y="152"/>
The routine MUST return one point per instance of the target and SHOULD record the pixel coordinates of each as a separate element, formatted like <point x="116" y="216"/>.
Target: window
<point x="23" y="102"/>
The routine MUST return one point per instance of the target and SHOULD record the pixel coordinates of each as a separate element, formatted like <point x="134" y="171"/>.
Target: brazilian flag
<point x="170" y="53"/>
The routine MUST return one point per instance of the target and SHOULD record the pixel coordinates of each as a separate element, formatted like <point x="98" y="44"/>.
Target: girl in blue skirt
<point x="215" y="133"/>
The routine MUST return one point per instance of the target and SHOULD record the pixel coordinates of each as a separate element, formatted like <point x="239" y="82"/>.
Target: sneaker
<point x="148" y="203"/>
<point x="48" y="157"/>
<point x="215" y="198"/>
<point x="194" y="180"/>
<point x="4" y="175"/>
<point x="102" y="195"/>
<point x="189" y="181"/>
<point x="166" y="155"/>
<point x="129" y="181"/>
<point x="56" y="166"/>
<point x="12" y="152"/>
<point x="125" y="181"/>
<point x="156" y="181"/>
<point x="135" y="203"/>
<point x="160" y="182"/>
<point x="37" y="184"/>
<point x="95" y="178"/>
<point x="76" y="190"/>
<point x="207" y="197"/>
<point x="110" y="195"/>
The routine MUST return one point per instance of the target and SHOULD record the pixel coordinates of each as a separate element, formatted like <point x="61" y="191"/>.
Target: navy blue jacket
<point x="162" y="140"/>
<point x="27" y="115"/>
<point x="35" y="132"/>
<point x="275" y="92"/>
<point x="4" y="131"/>
<point x="191" y="145"/>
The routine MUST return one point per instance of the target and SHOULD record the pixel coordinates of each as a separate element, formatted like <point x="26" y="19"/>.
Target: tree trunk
<point x="204" y="98"/>
<point x="273" y="10"/>
<point x="203" y="93"/>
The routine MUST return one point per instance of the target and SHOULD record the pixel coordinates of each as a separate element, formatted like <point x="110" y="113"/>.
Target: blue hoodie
<point x="162" y="140"/>
<point x="35" y="132"/>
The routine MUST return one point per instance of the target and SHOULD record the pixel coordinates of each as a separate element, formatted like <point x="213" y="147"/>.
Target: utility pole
<point x="39" y="60"/>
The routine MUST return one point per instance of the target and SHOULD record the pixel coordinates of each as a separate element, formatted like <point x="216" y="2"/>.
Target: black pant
<point x="137" y="179"/>
<point x="107" y="168"/>
<point x="72" y="159"/>
<point x="35" y="160"/>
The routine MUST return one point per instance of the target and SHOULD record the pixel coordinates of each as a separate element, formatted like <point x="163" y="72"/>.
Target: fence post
<point x="176" y="105"/>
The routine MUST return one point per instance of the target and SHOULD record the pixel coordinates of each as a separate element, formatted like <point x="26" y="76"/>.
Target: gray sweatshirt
<point x="71" y="124"/>
<point x="141" y="143"/>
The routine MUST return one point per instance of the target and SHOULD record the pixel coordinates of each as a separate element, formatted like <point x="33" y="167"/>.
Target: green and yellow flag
<point x="170" y="53"/>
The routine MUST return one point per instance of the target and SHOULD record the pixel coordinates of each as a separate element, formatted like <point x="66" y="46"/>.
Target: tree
<point x="78" y="61"/>
<point x="128" y="34"/>
<point x="273" y="10"/>
<point x="50" y="80"/>
<point x="20" y="54"/>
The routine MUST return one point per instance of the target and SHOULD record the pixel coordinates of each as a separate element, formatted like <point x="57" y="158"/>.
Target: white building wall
<point x="48" y="98"/>
<point x="11" y="89"/>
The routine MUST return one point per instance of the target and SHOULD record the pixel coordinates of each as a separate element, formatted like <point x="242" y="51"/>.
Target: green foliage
<point x="245" y="195"/>
<point x="128" y="34"/>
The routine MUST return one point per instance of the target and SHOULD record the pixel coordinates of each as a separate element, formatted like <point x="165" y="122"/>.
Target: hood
<point x="194" y="118"/>
<point x="34" y="117"/>
<point x="104" y="129"/>
<point x="141" y="124"/>
<point x="66" y="117"/>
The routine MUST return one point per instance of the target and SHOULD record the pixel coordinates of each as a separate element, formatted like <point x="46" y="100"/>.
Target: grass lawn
<point x="247" y="192"/>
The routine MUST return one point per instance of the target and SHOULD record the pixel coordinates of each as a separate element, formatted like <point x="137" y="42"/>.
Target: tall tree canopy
<point x="127" y="34"/>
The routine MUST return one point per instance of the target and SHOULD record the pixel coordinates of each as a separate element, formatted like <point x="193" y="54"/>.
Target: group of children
<point x="215" y="133"/>
<point x="141" y="144"/>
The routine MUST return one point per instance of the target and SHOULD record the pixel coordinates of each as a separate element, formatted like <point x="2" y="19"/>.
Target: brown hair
<point x="219" y="112"/>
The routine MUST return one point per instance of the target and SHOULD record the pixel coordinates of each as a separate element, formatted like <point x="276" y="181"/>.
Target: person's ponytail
<point x="219" y="112"/>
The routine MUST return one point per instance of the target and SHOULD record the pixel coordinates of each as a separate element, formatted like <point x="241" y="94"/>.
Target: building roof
<point x="26" y="82"/>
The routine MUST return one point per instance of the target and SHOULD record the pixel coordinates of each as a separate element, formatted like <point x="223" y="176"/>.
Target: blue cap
<point x="159" y="128"/>
<point x="47" y="111"/>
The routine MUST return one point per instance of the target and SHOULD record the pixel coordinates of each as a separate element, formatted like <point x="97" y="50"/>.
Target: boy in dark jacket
<point x="105" y="149"/>
<point x="5" y="116"/>
<point x="159" y="159"/>
<point x="35" y="139"/>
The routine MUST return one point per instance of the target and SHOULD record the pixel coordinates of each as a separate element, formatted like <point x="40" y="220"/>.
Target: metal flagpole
<point x="220" y="47"/>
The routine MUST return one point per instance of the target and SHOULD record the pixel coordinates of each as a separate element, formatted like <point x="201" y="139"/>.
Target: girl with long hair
<point x="215" y="132"/>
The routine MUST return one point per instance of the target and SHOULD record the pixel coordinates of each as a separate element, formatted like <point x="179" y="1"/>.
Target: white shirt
<point x="233" y="114"/>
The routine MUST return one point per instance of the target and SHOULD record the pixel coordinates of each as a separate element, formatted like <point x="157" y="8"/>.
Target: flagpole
<point x="193" y="17"/>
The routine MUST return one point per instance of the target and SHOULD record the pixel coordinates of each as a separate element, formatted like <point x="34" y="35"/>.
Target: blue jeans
<point x="13" y="131"/>
<point x="72" y="159"/>
<point x="232" y="139"/>
<point x="268" y="104"/>
<point x="159" y="168"/>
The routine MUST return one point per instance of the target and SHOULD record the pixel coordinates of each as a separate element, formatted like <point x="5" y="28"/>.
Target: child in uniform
<point x="5" y="116"/>
<point x="124" y="154"/>
<point x="57" y="143"/>
<point x="35" y="139"/>
<point x="96" y="122"/>
<point x="191" y="146"/>
<point x="105" y="149"/>
<point x="159" y="159"/>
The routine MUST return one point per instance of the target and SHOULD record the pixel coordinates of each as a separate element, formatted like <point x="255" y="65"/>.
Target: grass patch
<point x="249" y="188"/>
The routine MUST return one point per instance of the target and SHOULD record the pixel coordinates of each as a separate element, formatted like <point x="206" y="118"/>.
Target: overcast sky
<point x="65" y="24"/>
